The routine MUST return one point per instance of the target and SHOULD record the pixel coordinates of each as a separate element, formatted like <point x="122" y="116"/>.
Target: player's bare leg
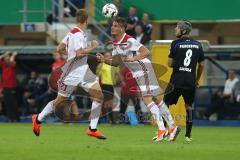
<point x="97" y="97"/>
<point x="48" y="109"/>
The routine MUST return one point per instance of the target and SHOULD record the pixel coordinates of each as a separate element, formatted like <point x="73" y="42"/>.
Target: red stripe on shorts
<point x="145" y="76"/>
<point x="68" y="70"/>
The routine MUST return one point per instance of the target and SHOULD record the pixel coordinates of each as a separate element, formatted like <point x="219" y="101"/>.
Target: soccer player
<point x="130" y="52"/>
<point x="75" y="72"/>
<point x="185" y="54"/>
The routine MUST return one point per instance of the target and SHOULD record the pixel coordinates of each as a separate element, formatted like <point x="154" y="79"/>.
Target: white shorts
<point x="73" y="76"/>
<point x="144" y="74"/>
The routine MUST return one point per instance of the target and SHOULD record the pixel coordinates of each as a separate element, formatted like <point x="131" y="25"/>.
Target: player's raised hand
<point x="94" y="44"/>
<point x="100" y="57"/>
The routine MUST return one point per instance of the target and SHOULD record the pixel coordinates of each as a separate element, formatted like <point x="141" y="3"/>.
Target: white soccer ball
<point x="109" y="10"/>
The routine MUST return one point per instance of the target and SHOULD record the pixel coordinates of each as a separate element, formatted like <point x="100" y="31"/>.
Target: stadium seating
<point x="203" y="99"/>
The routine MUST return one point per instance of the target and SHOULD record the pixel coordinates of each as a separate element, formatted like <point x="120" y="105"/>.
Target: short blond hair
<point x="81" y="16"/>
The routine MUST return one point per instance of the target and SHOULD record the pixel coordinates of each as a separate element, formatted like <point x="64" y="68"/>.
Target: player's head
<point x="82" y="16"/>
<point x="184" y="27"/>
<point x="119" y="26"/>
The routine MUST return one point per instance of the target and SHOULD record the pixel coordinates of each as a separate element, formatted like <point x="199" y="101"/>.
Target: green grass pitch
<point x="69" y="142"/>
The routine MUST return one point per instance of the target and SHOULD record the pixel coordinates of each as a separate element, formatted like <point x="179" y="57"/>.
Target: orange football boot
<point x="35" y="126"/>
<point x="96" y="134"/>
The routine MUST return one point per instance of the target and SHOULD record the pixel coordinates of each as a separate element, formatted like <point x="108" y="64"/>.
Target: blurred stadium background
<point x="33" y="29"/>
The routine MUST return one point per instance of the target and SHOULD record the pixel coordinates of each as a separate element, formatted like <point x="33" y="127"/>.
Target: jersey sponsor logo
<point x="189" y="46"/>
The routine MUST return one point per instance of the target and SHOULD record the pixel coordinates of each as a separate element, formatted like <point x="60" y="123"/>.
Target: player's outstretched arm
<point x="143" y="53"/>
<point x="114" y="61"/>
<point x="83" y="52"/>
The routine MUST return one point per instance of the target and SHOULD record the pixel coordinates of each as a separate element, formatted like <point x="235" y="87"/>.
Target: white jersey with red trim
<point x="74" y="40"/>
<point x="127" y="46"/>
<point x="75" y="71"/>
<point x="142" y="70"/>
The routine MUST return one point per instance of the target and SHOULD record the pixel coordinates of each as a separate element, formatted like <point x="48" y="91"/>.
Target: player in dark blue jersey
<point x="185" y="55"/>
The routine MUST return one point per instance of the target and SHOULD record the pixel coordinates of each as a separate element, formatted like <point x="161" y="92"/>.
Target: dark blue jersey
<point x="186" y="53"/>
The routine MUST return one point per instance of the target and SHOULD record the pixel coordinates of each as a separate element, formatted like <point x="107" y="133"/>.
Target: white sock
<point x="165" y="113"/>
<point x="95" y="114"/>
<point x="46" y="111"/>
<point x="156" y="114"/>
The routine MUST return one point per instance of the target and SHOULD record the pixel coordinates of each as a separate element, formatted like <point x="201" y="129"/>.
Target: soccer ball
<point x="109" y="10"/>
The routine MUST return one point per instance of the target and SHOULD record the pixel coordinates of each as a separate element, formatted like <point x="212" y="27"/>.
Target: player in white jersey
<point x="75" y="72"/>
<point x="134" y="56"/>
